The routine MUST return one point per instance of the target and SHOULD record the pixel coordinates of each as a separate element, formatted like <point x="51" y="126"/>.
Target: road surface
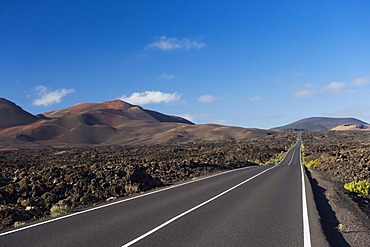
<point x="253" y="206"/>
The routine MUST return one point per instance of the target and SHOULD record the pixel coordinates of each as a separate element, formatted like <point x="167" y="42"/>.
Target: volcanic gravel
<point x="345" y="155"/>
<point x="33" y="180"/>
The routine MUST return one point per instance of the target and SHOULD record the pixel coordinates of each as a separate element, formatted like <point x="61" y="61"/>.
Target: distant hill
<point x="12" y="115"/>
<point x="320" y="123"/>
<point x="111" y="123"/>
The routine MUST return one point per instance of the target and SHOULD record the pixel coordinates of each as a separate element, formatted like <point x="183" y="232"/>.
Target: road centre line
<point x="192" y="209"/>
<point x="290" y="162"/>
<point x="287" y="154"/>
<point x="117" y="202"/>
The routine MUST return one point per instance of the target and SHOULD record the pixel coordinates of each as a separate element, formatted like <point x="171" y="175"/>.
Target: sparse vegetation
<point x="340" y="227"/>
<point x="257" y="161"/>
<point x="57" y="210"/>
<point x="276" y="160"/>
<point x="343" y="155"/>
<point x="313" y="163"/>
<point x="303" y="155"/>
<point x="361" y="187"/>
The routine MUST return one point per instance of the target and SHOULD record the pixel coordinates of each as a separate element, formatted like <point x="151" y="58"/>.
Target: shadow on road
<point x="328" y="220"/>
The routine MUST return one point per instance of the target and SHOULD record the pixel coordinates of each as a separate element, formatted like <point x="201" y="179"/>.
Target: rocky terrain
<point x="33" y="180"/>
<point x="343" y="215"/>
<point x="345" y="155"/>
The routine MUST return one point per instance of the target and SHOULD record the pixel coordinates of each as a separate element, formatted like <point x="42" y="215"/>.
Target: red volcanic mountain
<point x="113" y="114"/>
<point x="12" y="115"/>
<point x="84" y="123"/>
<point x="109" y="123"/>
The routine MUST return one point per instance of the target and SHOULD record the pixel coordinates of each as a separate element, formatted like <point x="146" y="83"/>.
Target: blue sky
<point x="243" y="63"/>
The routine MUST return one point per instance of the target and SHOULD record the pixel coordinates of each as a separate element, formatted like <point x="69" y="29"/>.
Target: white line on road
<point x="290" y="162"/>
<point x="192" y="209"/>
<point x="116" y="202"/>
<point x="287" y="155"/>
<point x="306" y="224"/>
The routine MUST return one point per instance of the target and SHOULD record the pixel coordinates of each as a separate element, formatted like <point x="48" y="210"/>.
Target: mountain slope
<point x="114" y="109"/>
<point x="320" y="123"/>
<point x="88" y="123"/>
<point x="12" y="115"/>
<point x="116" y="123"/>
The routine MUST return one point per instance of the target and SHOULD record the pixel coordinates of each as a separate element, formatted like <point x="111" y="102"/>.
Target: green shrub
<point x="276" y="160"/>
<point x="340" y="227"/>
<point x="303" y="154"/>
<point x="302" y="148"/>
<point x="57" y="210"/>
<point x="313" y="163"/>
<point x="256" y="161"/>
<point x="360" y="187"/>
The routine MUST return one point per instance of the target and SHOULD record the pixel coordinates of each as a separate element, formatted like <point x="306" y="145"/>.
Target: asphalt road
<point x="254" y="206"/>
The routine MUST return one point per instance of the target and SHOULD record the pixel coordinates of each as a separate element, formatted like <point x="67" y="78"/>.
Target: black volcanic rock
<point x="12" y="115"/>
<point x="33" y="180"/>
<point x="320" y="123"/>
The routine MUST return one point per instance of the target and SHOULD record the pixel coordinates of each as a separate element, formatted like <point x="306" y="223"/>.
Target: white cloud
<point x="207" y="99"/>
<point x="256" y="98"/>
<point x="169" y="44"/>
<point x="304" y="93"/>
<point x="308" y="90"/>
<point x="335" y="87"/>
<point x="47" y="97"/>
<point x="360" y="81"/>
<point x="166" y="77"/>
<point x="203" y="117"/>
<point x="187" y="116"/>
<point x="351" y="87"/>
<point x="220" y="121"/>
<point x="151" y="97"/>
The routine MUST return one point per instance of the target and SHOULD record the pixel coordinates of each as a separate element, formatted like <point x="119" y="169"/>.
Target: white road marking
<point x="116" y="202"/>
<point x="290" y="162"/>
<point x="287" y="154"/>
<point x="306" y="223"/>
<point x="192" y="209"/>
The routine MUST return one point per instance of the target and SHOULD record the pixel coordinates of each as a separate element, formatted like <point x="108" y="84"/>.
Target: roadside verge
<point x="341" y="220"/>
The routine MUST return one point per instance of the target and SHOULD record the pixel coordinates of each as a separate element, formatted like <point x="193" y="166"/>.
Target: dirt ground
<point x="345" y="217"/>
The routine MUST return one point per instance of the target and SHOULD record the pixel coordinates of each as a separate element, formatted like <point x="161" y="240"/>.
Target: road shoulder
<point x="318" y="237"/>
<point x="342" y="221"/>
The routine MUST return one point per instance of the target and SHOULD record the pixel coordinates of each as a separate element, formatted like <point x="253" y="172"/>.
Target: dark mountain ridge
<point x="320" y="123"/>
<point x="13" y="115"/>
